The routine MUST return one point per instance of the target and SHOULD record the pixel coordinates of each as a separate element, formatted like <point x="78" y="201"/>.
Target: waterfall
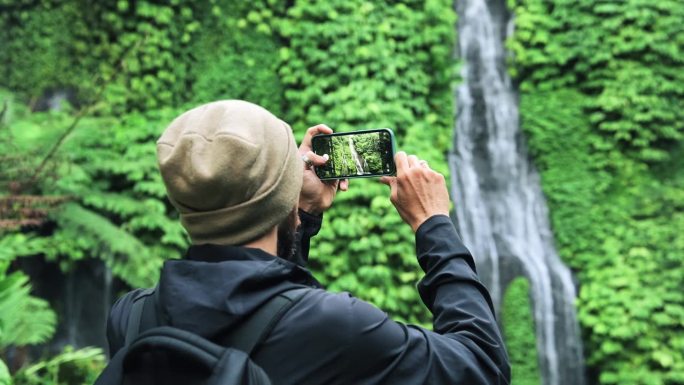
<point x="500" y="209"/>
<point x="361" y="166"/>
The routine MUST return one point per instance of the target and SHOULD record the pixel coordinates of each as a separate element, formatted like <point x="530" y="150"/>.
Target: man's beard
<point x="287" y="234"/>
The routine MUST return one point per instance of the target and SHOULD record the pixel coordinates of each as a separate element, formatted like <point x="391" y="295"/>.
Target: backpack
<point x="167" y="355"/>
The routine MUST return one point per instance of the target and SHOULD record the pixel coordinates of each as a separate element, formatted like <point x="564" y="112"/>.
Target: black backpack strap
<point x="146" y="314"/>
<point x="142" y="314"/>
<point x="256" y="328"/>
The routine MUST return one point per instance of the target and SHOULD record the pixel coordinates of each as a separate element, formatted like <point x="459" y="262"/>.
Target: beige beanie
<point x="232" y="170"/>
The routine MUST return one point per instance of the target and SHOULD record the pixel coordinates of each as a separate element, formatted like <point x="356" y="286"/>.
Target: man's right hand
<point x="317" y="195"/>
<point x="418" y="192"/>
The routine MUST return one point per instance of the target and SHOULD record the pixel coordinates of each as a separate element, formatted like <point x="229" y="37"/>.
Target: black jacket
<point x="334" y="338"/>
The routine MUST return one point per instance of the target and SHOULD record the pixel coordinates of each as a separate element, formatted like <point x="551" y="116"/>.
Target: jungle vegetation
<point x="87" y="87"/>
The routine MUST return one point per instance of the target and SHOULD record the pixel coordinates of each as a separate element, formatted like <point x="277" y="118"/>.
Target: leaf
<point x="129" y="258"/>
<point x="5" y="378"/>
<point x="70" y="366"/>
<point x="24" y="319"/>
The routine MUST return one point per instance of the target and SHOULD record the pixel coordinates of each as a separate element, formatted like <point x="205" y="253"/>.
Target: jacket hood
<point x="216" y="287"/>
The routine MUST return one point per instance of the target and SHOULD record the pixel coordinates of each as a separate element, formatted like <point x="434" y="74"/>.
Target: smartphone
<point x="356" y="154"/>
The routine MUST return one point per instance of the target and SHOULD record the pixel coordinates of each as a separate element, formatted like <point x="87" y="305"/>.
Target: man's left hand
<point x="317" y="195"/>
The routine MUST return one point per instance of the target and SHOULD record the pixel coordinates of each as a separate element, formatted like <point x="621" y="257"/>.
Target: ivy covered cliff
<point x="87" y="87"/>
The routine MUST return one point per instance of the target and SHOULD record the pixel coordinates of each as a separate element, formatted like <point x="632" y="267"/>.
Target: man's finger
<point x="344" y="185"/>
<point x="401" y="162"/>
<point x="313" y="131"/>
<point x="413" y="161"/>
<point x="388" y="180"/>
<point x="332" y="183"/>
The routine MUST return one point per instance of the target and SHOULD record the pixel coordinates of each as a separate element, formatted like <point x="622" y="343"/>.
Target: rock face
<point x="81" y="298"/>
<point x="500" y="211"/>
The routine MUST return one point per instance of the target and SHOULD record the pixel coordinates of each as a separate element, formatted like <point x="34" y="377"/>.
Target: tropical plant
<point x="601" y="103"/>
<point x="518" y="332"/>
<point x="24" y="319"/>
<point x="5" y="378"/>
<point x="70" y="367"/>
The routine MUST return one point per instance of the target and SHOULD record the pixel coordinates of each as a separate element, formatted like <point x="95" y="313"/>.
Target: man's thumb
<point x="316" y="159"/>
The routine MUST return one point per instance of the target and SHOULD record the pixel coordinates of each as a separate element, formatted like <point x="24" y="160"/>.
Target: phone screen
<point x="355" y="154"/>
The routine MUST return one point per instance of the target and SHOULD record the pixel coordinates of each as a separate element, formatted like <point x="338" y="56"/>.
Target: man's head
<point x="232" y="170"/>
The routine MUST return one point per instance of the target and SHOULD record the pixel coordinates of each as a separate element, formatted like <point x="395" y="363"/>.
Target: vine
<point x="601" y="103"/>
<point x="518" y="332"/>
<point x="358" y="65"/>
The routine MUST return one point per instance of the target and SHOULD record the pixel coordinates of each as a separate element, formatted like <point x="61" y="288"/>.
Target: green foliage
<point x="398" y="76"/>
<point x="118" y="210"/>
<point x="341" y="158"/>
<point x="357" y="154"/>
<point x="359" y="65"/>
<point x="601" y="103"/>
<point x="352" y="65"/>
<point x="146" y="54"/>
<point x="24" y="319"/>
<point x="625" y="54"/>
<point x="146" y="47"/>
<point x="43" y="40"/>
<point x="70" y="367"/>
<point x="240" y="64"/>
<point x="370" y="148"/>
<point x="5" y="378"/>
<point x="518" y="331"/>
<point x="603" y="76"/>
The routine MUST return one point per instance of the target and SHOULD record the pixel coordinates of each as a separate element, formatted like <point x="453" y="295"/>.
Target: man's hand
<point x="417" y="191"/>
<point x="317" y="195"/>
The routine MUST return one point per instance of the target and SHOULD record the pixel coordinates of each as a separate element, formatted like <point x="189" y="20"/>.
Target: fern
<point x="118" y="210"/>
<point x="13" y="245"/>
<point x="72" y="367"/>
<point x="24" y="320"/>
<point x="84" y="230"/>
<point x="5" y="378"/>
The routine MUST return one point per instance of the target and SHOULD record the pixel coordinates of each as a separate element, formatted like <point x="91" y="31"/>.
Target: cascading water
<point x="361" y="165"/>
<point x="500" y="211"/>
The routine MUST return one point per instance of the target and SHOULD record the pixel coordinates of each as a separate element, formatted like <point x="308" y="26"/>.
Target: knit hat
<point x="232" y="170"/>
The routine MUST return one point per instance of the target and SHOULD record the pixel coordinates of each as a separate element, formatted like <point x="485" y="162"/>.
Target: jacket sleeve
<point x="309" y="227"/>
<point x="465" y="347"/>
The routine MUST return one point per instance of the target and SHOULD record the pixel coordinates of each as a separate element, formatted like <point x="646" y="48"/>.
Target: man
<point x="234" y="173"/>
